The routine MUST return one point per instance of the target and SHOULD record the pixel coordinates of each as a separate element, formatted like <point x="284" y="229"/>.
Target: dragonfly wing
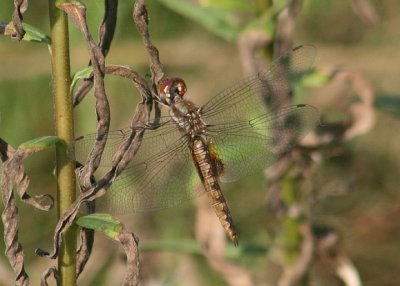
<point x="248" y="146"/>
<point x="265" y="90"/>
<point x="247" y="122"/>
<point x="164" y="180"/>
<point x="153" y="140"/>
<point x="161" y="174"/>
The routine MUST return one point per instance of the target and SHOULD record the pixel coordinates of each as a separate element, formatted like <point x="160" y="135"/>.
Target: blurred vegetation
<point x="209" y="63"/>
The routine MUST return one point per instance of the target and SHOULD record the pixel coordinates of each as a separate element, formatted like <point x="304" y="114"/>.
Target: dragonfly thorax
<point x="187" y="116"/>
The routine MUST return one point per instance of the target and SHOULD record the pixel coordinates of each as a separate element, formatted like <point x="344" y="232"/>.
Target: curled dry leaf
<point x="115" y="230"/>
<point x="106" y="35"/>
<point x="51" y="271"/>
<point x="84" y="250"/>
<point x="122" y="157"/>
<point x="141" y="19"/>
<point x="130" y="244"/>
<point x="13" y="173"/>
<point x="360" y="110"/>
<point x="77" y="13"/>
<point x="20" y="7"/>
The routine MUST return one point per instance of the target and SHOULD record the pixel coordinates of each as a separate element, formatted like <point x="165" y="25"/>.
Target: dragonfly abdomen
<point x="207" y="172"/>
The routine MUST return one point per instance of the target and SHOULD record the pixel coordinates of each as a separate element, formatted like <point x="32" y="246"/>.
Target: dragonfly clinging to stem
<point x="236" y="133"/>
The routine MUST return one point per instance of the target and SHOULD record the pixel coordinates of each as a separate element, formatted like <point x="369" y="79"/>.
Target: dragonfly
<point x="237" y="132"/>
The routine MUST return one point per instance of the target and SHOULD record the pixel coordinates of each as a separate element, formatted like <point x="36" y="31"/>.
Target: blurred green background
<point x="366" y="217"/>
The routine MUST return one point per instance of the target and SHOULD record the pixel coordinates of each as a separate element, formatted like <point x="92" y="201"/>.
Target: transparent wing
<point x="153" y="140"/>
<point x="266" y="90"/>
<point x="250" y="145"/>
<point x="161" y="174"/>
<point x="164" y="180"/>
<point x="247" y="122"/>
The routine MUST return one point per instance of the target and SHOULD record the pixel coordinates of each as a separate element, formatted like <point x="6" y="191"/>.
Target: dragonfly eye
<point x="171" y="88"/>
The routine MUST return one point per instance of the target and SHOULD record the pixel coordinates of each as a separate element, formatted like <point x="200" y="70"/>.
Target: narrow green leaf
<point x="194" y="248"/>
<point x="220" y="22"/>
<point x="80" y="75"/>
<point x="315" y="78"/>
<point x="105" y="223"/>
<point x="389" y="103"/>
<point x="33" y="34"/>
<point x="40" y="143"/>
<point x="234" y="5"/>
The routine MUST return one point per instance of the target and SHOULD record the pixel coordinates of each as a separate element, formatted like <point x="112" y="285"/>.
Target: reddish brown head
<point x="170" y="89"/>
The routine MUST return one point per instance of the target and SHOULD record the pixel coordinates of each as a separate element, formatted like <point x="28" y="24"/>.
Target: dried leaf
<point x="141" y="19"/>
<point x="106" y="34"/>
<point x="20" y="7"/>
<point x="107" y="27"/>
<point x="77" y="13"/>
<point x="121" y="159"/>
<point x="51" y="271"/>
<point x="31" y="33"/>
<point x="130" y="244"/>
<point x="13" y="173"/>
<point x="85" y="249"/>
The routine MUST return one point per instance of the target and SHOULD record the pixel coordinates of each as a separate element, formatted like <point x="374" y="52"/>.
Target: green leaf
<point x="33" y="34"/>
<point x="315" y="78"/>
<point x="80" y="75"/>
<point x="234" y="5"/>
<point x="40" y="143"/>
<point x="105" y="223"/>
<point x="194" y="248"/>
<point x="219" y="21"/>
<point x="389" y="103"/>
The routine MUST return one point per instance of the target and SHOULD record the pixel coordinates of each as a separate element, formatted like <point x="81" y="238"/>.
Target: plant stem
<point x="64" y="129"/>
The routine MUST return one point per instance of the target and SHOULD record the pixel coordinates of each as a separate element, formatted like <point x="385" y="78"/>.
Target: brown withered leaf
<point x="77" y="13"/>
<point x="121" y="159"/>
<point x="85" y="249"/>
<point x="106" y="34"/>
<point x="141" y="19"/>
<point x="13" y="173"/>
<point x="51" y="271"/>
<point x="20" y="7"/>
<point x="130" y="244"/>
<point x="107" y="27"/>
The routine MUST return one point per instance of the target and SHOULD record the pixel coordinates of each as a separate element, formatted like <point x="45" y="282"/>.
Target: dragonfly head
<point x="170" y="90"/>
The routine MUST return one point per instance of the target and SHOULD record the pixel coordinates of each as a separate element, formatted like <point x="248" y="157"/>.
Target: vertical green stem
<point x="64" y="130"/>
